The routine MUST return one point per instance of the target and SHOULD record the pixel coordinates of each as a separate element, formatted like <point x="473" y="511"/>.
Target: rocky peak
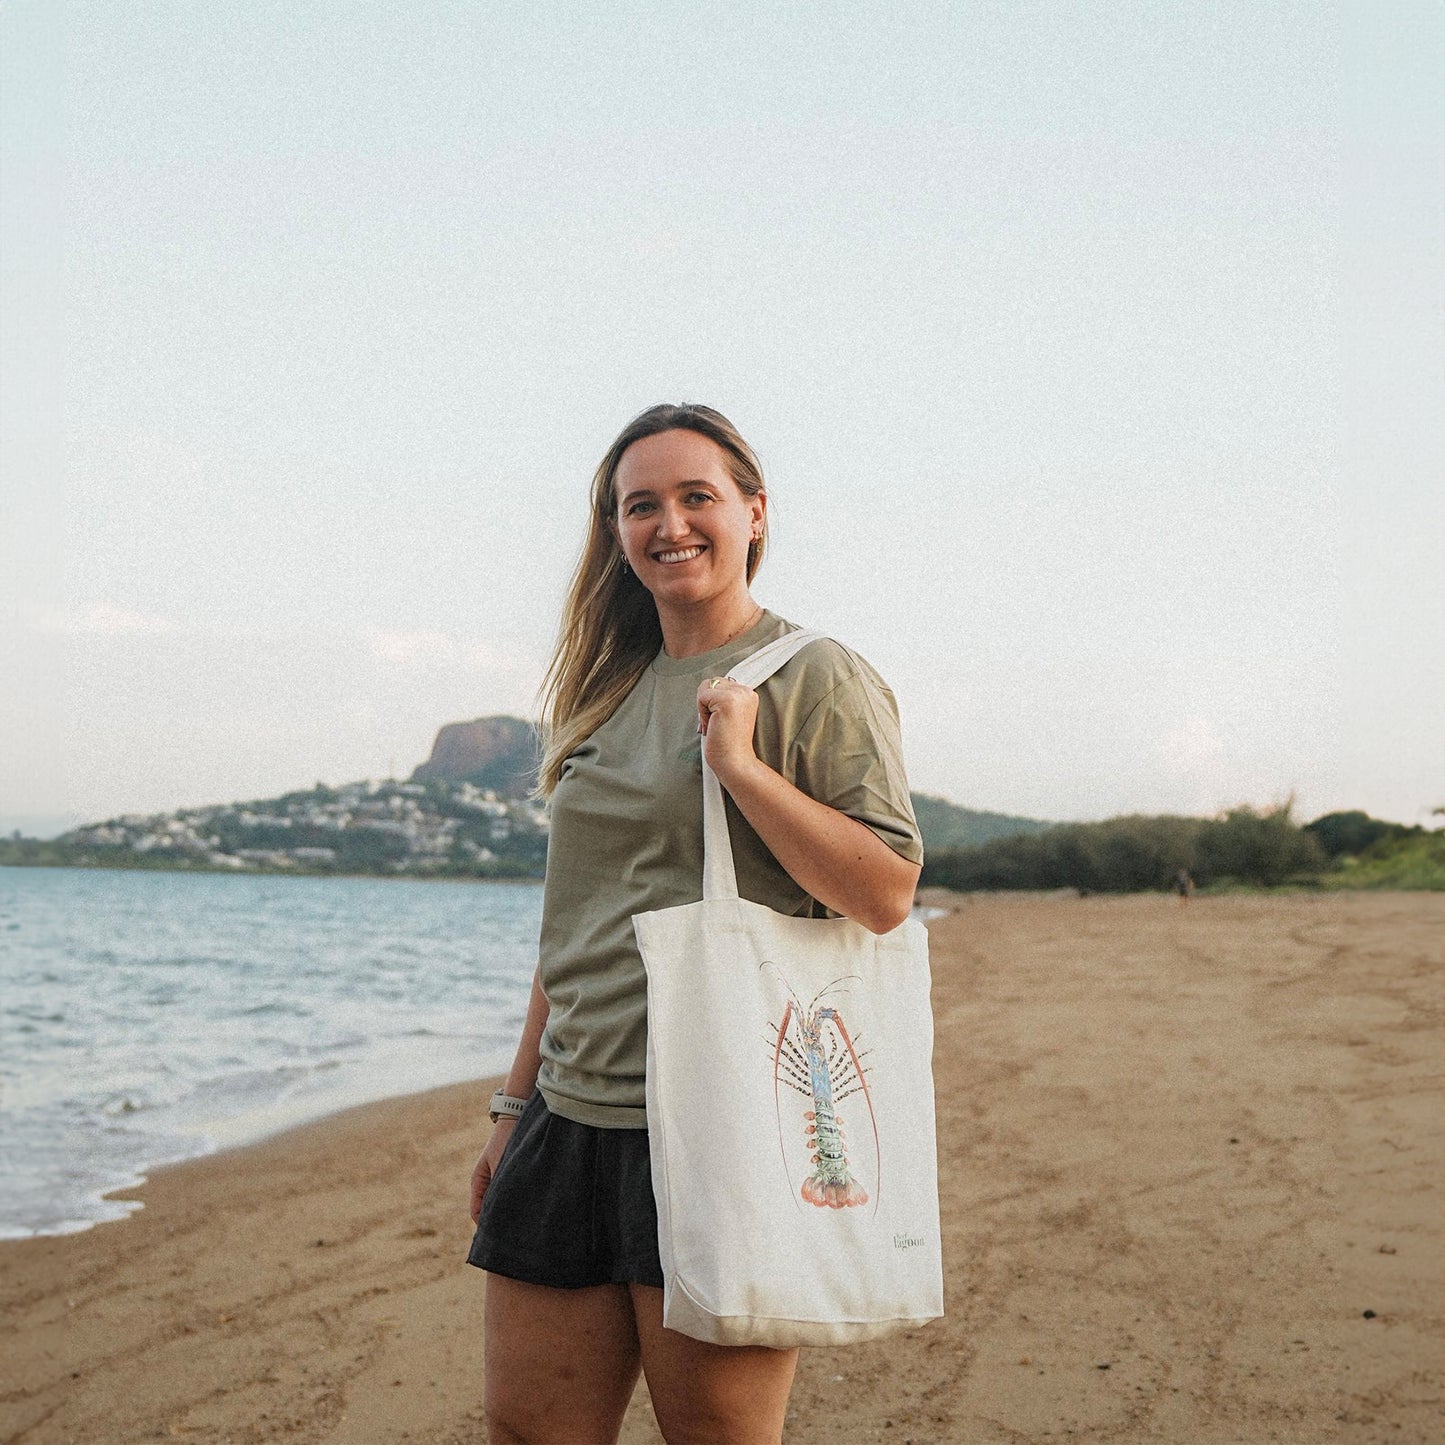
<point x="500" y="753"/>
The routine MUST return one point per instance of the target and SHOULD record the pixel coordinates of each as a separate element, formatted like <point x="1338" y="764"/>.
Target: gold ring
<point x="715" y="681"/>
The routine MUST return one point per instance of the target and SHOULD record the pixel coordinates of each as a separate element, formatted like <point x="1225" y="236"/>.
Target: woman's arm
<point x="527" y="1062"/>
<point x="844" y="865"/>
<point x="521" y="1080"/>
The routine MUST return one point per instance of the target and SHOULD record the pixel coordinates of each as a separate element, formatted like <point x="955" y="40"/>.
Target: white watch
<point x="505" y="1106"/>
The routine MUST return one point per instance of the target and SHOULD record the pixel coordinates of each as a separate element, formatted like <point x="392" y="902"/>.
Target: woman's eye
<point x="699" y="496"/>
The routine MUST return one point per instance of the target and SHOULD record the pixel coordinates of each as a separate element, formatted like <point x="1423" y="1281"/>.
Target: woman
<point x="820" y="820"/>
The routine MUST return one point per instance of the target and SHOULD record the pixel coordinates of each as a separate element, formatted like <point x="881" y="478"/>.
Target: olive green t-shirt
<point x="626" y="837"/>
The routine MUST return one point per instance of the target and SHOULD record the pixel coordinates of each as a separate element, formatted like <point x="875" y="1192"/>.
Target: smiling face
<point x="683" y="523"/>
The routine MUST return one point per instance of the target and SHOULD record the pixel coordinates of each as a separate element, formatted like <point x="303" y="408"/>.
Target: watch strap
<point x="505" y="1106"/>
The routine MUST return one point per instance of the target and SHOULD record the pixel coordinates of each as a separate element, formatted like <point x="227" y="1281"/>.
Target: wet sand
<point x="1192" y="1163"/>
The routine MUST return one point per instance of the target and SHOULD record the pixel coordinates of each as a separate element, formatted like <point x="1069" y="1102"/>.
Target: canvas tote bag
<point x="789" y="1109"/>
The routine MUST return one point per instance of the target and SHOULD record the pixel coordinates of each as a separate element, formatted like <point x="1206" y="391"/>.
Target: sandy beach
<point x="1192" y="1164"/>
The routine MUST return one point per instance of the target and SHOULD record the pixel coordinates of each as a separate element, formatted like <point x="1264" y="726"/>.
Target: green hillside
<point x="946" y="825"/>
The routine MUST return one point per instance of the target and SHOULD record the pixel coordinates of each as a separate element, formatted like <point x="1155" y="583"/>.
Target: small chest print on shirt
<point x="907" y="1241"/>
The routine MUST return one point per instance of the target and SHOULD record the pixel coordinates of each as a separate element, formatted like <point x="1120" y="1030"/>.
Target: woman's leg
<point x="561" y="1364"/>
<point x="711" y="1394"/>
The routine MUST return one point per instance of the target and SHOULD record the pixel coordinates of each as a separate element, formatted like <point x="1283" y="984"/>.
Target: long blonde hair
<point x="610" y="629"/>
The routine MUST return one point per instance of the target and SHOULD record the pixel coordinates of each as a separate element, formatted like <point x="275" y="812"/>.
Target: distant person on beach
<point x="1183" y="886"/>
<point x="659" y="610"/>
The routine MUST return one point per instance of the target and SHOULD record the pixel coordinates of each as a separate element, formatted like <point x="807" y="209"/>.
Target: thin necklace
<point x="757" y="612"/>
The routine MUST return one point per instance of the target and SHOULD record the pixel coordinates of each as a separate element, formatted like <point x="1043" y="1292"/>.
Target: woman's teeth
<point x="685" y="555"/>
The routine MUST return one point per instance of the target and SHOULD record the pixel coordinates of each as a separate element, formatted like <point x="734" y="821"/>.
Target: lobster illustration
<point x="814" y="1054"/>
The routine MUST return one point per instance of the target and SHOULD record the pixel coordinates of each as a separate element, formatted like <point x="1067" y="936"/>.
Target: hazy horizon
<point x="1093" y="354"/>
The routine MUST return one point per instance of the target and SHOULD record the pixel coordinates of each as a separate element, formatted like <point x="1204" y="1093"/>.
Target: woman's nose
<point x="672" y="523"/>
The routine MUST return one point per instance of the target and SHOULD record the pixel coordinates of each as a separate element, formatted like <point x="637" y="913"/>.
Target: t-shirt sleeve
<point x="847" y="752"/>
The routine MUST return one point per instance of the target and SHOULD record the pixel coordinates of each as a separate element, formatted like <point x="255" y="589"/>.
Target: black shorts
<point x="570" y="1205"/>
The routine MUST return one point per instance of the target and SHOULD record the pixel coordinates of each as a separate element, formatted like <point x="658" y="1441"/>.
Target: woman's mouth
<point x="682" y="554"/>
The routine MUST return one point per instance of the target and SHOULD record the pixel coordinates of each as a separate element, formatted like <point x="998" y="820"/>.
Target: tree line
<point x="1245" y="846"/>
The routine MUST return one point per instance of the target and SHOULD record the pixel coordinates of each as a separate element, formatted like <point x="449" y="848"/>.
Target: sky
<point x="1094" y="354"/>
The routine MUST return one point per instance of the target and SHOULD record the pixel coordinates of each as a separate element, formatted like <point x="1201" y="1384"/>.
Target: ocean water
<point x="151" y="1017"/>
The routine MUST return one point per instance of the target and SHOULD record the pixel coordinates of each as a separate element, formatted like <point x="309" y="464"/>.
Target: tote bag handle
<point x="719" y="876"/>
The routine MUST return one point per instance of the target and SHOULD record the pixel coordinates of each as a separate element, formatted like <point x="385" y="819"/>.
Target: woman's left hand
<point x="726" y="713"/>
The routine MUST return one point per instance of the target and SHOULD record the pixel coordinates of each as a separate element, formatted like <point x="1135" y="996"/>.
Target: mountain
<point x="500" y="753"/>
<point x="946" y="825"/>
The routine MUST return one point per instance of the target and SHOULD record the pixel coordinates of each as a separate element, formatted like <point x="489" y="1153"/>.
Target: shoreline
<point x="250" y="872"/>
<point x="151" y="1018"/>
<point x="1190" y="1183"/>
<point x="279" y="1129"/>
<point x="322" y="1133"/>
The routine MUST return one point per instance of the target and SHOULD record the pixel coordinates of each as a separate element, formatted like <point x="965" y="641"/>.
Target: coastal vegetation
<point x="1368" y="853"/>
<point x="1241" y="847"/>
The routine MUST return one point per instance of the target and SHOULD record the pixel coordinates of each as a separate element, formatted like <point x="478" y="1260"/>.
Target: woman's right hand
<point x="487" y="1164"/>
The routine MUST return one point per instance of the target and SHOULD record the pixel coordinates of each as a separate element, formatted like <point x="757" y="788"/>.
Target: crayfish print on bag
<point x="814" y="1054"/>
